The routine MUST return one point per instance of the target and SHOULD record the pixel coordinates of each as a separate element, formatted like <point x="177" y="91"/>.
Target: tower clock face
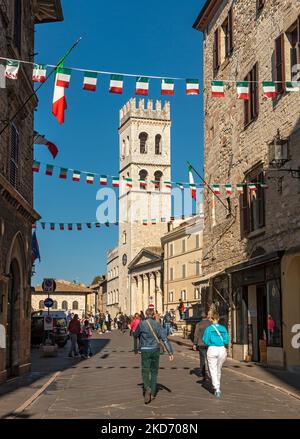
<point x="124" y="259"/>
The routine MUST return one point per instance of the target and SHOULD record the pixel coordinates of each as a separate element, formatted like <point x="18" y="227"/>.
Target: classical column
<point x="133" y="297"/>
<point x="145" y="291"/>
<point x="139" y="293"/>
<point x="158" y="292"/>
<point x="152" y="289"/>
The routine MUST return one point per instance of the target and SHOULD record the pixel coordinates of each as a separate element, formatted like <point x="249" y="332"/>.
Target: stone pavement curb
<point x="285" y="390"/>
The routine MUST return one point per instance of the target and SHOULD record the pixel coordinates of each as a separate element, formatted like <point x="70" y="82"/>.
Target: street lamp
<point x="279" y="151"/>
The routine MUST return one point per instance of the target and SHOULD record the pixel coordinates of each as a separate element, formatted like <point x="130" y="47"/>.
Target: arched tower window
<point x="143" y="179"/>
<point x="41" y="304"/>
<point x="158" y="177"/>
<point x="54" y="305"/>
<point x="75" y="305"/>
<point x="123" y="147"/>
<point x="124" y="237"/>
<point x="143" y="143"/>
<point x="127" y="146"/>
<point x="158" y="144"/>
<point x="64" y="305"/>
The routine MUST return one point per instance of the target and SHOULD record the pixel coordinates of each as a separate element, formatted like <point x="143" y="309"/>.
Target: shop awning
<point x="205" y="279"/>
<point x="254" y="262"/>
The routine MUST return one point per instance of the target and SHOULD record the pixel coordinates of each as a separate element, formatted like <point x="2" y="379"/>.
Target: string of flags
<point x="243" y="88"/>
<point x="114" y="181"/>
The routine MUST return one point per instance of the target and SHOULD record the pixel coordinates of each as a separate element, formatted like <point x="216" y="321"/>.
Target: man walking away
<point x="167" y="322"/>
<point x="149" y="333"/>
<point x="108" y="321"/>
<point x="74" y="330"/>
<point x="216" y="338"/>
<point x="199" y="345"/>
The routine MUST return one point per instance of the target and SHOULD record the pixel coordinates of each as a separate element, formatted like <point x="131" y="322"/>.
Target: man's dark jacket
<point x="199" y="332"/>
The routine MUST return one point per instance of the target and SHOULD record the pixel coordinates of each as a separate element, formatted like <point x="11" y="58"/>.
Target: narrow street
<point x="109" y="385"/>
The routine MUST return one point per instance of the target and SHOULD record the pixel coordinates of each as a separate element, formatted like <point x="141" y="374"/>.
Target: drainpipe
<point x="230" y="311"/>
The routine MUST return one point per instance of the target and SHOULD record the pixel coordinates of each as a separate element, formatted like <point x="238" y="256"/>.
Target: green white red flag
<point x="76" y="175"/>
<point x="59" y="104"/>
<point x="192" y="183"/>
<point x="217" y="89"/>
<point x="243" y="90"/>
<point x="39" y="73"/>
<point x="143" y="183"/>
<point x="116" y="84"/>
<point x="128" y="182"/>
<point x="216" y="189"/>
<point x="142" y="86"/>
<point x="167" y="87"/>
<point x="292" y="86"/>
<point x="228" y="188"/>
<point x="12" y="69"/>
<point x="252" y="187"/>
<point x="90" y="81"/>
<point x="240" y="188"/>
<point x="103" y="180"/>
<point x="269" y="89"/>
<point x="63" y="77"/>
<point x="115" y="181"/>
<point x="63" y="173"/>
<point x="168" y="184"/>
<point x="36" y="166"/>
<point x="49" y="170"/>
<point x="192" y="87"/>
<point x="62" y="226"/>
<point x="90" y="178"/>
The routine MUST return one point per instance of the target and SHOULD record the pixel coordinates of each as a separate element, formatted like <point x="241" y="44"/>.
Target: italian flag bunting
<point x="70" y="226"/>
<point x="252" y="187"/>
<point x="153" y="221"/>
<point x="216" y="189"/>
<point x="128" y="182"/>
<point x="90" y="178"/>
<point x="116" y="84"/>
<point x="90" y="81"/>
<point x="292" y="86"/>
<point x="192" y="183"/>
<point x="76" y="175"/>
<point x="192" y="87"/>
<point x="89" y="225"/>
<point x="145" y="222"/>
<point x="59" y="104"/>
<point x="269" y="89"/>
<point x="39" y="73"/>
<point x="103" y="180"/>
<point x="115" y="181"/>
<point x="143" y="183"/>
<point x="36" y="166"/>
<point x="217" y="89"/>
<point x="180" y="185"/>
<point x="49" y="170"/>
<point x="63" y="77"/>
<point x="167" y="87"/>
<point x="156" y="183"/>
<point x="43" y="225"/>
<point x="97" y="225"/>
<point x="63" y="173"/>
<point x="264" y="185"/>
<point x="228" y="188"/>
<point x="79" y="226"/>
<point x="62" y="226"/>
<point x="107" y="223"/>
<point x="168" y="184"/>
<point x="142" y="86"/>
<point x="52" y="226"/>
<point x="240" y="188"/>
<point x="12" y="69"/>
<point x="243" y="91"/>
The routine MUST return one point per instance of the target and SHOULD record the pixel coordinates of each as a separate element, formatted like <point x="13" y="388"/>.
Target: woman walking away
<point x="133" y="325"/>
<point x="150" y="332"/>
<point x="86" y="334"/>
<point x="216" y="338"/>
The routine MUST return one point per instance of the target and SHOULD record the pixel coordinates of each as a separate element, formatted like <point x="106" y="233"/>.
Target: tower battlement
<point x="148" y="111"/>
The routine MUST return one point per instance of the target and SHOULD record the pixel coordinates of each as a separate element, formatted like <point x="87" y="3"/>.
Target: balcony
<point x="47" y="11"/>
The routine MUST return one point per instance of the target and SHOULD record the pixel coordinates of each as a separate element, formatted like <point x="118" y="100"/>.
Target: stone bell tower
<point x="145" y="166"/>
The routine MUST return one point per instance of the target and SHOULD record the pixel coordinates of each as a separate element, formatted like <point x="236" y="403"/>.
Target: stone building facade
<point x="252" y="259"/>
<point x="17" y="20"/>
<point x="182" y="250"/>
<point x="145" y="157"/>
<point x="112" y="295"/>
<point x="97" y="296"/>
<point x="145" y="275"/>
<point x="68" y="296"/>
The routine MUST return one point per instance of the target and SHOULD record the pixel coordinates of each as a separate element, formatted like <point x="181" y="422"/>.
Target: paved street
<point x="109" y="386"/>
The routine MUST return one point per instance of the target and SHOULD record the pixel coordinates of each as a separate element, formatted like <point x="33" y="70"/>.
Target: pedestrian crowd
<point x="150" y="332"/>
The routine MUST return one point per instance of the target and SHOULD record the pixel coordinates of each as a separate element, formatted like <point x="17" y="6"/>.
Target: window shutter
<point x="261" y="201"/>
<point x="216" y="59"/>
<point x="279" y="62"/>
<point x="255" y="91"/>
<point x="244" y="215"/>
<point x="230" y="30"/>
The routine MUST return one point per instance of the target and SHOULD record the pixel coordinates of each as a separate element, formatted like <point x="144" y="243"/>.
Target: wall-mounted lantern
<point x="279" y="151"/>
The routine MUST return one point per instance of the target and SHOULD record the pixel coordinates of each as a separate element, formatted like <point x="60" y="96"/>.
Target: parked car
<point x="59" y="335"/>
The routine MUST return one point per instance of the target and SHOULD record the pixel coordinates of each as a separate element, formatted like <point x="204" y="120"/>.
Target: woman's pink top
<point x="134" y="324"/>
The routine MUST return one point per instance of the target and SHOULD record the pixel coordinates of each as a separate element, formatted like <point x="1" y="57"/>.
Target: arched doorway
<point x="13" y="319"/>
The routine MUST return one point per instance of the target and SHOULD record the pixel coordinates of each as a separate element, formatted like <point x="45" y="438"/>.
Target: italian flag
<point x="216" y="189"/>
<point x="168" y="184"/>
<point x="12" y="69"/>
<point x="116" y="84"/>
<point x="70" y="226"/>
<point x="89" y="225"/>
<point x="264" y="186"/>
<point x="142" y="86"/>
<point x="79" y="226"/>
<point x="33" y="226"/>
<point x="43" y="225"/>
<point x="180" y="185"/>
<point x="63" y="173"/>
<point x="217" y="89"/>
<point x="62" y="226"/>
<point x="39" y="73"/>
<point x="192" y="87"/>
<point x="167" y="87"/>
<point x="243" y="90"/>
<point x="90" y="81"/>
<point x="90" y="178"/>
<point x="143" y="183"/>
<point x="115" y="181"/>
<point x="49" y="170"/>
<point x="76" y="175"/>
<point x="97" y="225"/>
<point x="128" y="182"/>
<point x="103" y="180"/>
<point x="156" y="183"/>
<point x="52" y="226"/>
<point x="192" y="183"/>
<point x="228" y="188"/>
<point x="163" y="219"/>
<point x="59" y="104"/>
<point x="291" y="86"/>
<point x="145" y="222"/>
<point x="153" y="221"/>
<point x="252" y="187"/>
<point x="63" y="77"/>
<point x="39" y="139"/>
<point x="36" y="166"/>
<point x="240" y="188"/>
<point x="269" y="89"/>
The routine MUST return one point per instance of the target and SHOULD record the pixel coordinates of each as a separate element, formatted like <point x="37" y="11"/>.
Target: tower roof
<point x="142" y="111"/>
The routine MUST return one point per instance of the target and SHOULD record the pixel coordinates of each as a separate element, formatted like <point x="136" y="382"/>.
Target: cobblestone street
<point x="109" y="386"/>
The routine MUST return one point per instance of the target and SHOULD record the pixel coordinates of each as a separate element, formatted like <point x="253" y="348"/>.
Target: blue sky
<point x="150" y="38"/>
